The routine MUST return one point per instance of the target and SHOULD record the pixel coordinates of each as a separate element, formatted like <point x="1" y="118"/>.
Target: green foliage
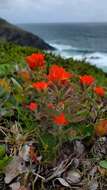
<point x="103" y="164"/>
<point x="12" y="55"/>
<point x="48" y="147"/>
<point x="79" y="104"/>
<point x="4" y="159"/>
<point x="2" y="151"/>
<point x="4" y="162"/>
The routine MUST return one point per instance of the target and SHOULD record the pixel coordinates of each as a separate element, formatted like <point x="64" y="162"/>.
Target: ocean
<point x="77" y="40"/>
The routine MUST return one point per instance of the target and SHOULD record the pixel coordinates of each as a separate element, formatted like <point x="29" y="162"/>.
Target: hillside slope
<point x="12" y="33"/>
<point x="12" y="55"/>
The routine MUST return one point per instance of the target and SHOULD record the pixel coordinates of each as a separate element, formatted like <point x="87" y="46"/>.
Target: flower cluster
<point x="40" y="86"/>
<point x="60" y="91"/>
<point x="58" y="73"/>
<point x="87" y="80"/>
<point x="99" y="91"/>
<point x="60" y="120"/>
<point x="32" y="106"/>
<point x="35" y="60"/>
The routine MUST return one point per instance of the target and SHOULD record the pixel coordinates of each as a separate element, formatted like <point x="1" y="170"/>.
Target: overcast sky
<point x="24" y="11"/>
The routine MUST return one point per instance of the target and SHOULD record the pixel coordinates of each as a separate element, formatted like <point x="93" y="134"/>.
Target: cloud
<point x="53" y="10"/>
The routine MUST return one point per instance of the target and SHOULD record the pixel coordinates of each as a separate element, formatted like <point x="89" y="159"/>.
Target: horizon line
<point x="79" y="22"/>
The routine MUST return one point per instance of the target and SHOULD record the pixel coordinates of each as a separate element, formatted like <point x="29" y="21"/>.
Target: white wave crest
<point x="95" y="58"/>
<point x="62" y="47"/>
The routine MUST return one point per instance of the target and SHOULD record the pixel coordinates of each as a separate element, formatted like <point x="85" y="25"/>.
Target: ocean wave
<point x="61" y="47"/>
<point x="95" y="58"/>
<point x="64" y="47"/>
<point x="98" y="59"/>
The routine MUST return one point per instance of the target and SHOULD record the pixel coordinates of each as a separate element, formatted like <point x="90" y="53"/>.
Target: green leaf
<point x="103" y="164"/>
<point x="4" y="162"/>
<point x="48" y="146"/>
<point x="2" y="151"/>
<point x="16" y="84"/>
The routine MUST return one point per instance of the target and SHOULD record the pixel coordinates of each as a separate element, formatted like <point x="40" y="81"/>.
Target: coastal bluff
<point x="14" y="34"/>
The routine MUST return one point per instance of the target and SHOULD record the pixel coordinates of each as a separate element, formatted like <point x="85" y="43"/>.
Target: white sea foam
<point x="62" y="47"/>
<point x="95" y="58"/>
<point x="98" y="59"/>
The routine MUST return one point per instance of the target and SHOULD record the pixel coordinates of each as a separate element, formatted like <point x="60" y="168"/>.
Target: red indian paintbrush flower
<point x="58" y="73"/>
<point x="87" y="80"/>
<point x="32" y="106"/>
<point x="60" y="120"/>
<point x="99" y="91"/>
<point x="40" y="85"/>
<point x="35" y="60"/>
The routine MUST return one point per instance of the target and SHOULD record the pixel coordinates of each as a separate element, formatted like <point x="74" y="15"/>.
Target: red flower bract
<point x="35" y="60"/>
<point x="50" y="106"/>
<point x="32" y="106"/>
<point x="99" y="91"/>
<point x="57" y="73"/>
<point x="40" y="85"/>
<point x="60" y="120"/>
<point x="87" y="79"/>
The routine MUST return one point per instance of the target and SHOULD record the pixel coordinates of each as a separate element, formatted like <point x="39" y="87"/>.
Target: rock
<point x="79" y="148"/>
<point x="73" y="177"/>
<point x="15" y="186"/>
<point x="14" y="168"/>
<point x="93" y="171"/>
<point x="93" y="185"/>
<point x="14" y="34"/>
